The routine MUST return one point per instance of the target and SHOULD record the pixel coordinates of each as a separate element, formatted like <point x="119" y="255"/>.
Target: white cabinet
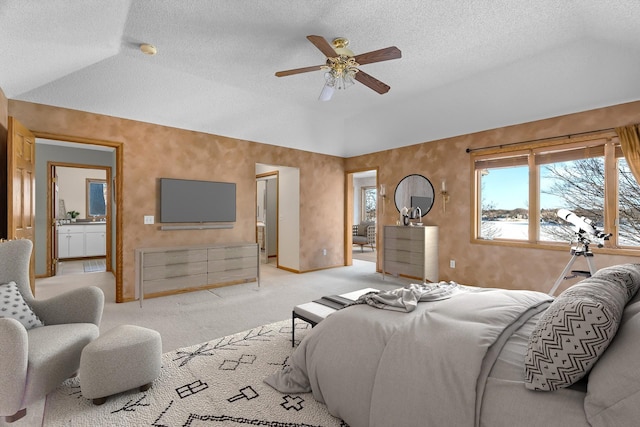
<point x="82" y="240"/>
<point x="411" y="251"/>
<point x="95" y="241"/>
<point x="70" y="241"/>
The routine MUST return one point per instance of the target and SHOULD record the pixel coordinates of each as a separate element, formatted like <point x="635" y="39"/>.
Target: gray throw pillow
<point x="577" y="328"/>
<point x="362" y="228"/>
<point x="12" y="305"/>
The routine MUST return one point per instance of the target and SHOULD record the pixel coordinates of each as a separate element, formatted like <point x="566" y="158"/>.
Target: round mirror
<point x="414" y="191"/>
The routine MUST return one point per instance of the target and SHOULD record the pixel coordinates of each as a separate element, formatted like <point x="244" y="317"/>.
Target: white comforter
<point x="376" y="367"/>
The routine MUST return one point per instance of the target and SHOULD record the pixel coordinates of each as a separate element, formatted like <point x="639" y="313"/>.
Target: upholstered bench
<point x="313" y="312"/>
<point x="123" y="358"/>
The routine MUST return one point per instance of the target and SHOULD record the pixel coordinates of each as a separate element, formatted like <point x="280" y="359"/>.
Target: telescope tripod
<point x="580" y="249"/>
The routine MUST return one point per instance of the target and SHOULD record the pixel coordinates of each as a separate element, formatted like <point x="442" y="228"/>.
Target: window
<point x="368" y="199"/>
<point x="518" y="193"/>
<point x="503" y="196"/>
<point x="96" y="198"/>
<point x="505" y="203"/>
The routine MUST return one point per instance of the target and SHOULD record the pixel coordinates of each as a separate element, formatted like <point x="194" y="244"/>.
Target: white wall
<point x="288" y="214"/>
<point x="72" y="187"/>
<point x="289" y="218"/>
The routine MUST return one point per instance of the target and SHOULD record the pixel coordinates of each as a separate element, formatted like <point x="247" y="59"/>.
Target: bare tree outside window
<point x="369" y="203"/>
<point x="628" y="206"/>
<point x="580" y="185"/>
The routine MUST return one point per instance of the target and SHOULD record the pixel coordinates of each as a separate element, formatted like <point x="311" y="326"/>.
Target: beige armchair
<point x="35" y="361"/>
<point x="364" y="234"/>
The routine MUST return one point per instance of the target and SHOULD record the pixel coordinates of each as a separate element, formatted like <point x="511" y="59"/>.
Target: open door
<point x="54" y="214"/>
<point x="21" y="188"/>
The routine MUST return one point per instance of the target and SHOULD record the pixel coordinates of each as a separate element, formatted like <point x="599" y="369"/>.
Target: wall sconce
<point x="382" y="192"/>
<point x="445" y="196"/>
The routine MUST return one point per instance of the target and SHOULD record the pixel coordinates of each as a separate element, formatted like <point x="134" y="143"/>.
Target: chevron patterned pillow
<point x="577" y="328"/>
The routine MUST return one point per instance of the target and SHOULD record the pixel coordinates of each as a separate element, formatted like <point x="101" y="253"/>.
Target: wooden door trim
<point x="118" y="183"/>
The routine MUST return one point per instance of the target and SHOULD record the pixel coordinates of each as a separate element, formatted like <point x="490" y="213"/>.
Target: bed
<point x="481" y="357"/>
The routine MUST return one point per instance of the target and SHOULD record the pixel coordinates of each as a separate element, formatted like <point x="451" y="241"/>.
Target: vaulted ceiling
<point x="466" y="65"/>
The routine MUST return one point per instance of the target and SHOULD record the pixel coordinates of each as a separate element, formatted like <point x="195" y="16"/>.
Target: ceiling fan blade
<point x="372" y="82"/>
<point x="324" y="46"/>
<point x="298" y="71"/>
<point x="378" y="55"/>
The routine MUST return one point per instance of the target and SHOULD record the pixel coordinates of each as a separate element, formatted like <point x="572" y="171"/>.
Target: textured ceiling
<point x="466" y="65"/>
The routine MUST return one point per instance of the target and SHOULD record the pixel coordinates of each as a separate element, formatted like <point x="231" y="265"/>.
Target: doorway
<point x="267" y="217"/>
<point x="65" y="148"/>
<point x="81" y="215"/>
<point x="362" y="214"/>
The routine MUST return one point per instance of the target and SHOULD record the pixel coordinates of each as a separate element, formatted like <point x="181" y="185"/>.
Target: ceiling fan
<point x="341" y="66"/>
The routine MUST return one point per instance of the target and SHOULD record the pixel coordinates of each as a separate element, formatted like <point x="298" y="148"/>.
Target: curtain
<point x="630" y="142"/>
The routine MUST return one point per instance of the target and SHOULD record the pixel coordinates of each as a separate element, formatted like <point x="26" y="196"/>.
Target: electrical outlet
<point x="452" y="263"/>
<point x="324" y="252"/>
<point x="149" y="219"/>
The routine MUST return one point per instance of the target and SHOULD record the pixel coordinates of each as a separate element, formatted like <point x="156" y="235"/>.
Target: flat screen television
<point x="191" y="201"/>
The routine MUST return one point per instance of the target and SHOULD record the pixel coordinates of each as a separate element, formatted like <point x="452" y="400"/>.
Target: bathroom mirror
<point x="414" y="191"/>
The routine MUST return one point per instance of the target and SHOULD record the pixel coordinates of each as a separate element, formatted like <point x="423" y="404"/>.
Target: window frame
<point x="543" y="152"/>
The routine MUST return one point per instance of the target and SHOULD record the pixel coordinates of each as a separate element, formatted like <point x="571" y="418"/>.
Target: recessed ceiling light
<point x="148" y="49"/>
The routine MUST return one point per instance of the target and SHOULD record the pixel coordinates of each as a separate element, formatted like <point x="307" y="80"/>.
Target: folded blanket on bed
<point x="406" y="299"/>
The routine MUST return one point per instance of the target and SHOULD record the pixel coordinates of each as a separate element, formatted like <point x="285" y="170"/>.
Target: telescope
<point x="582" y="225"/>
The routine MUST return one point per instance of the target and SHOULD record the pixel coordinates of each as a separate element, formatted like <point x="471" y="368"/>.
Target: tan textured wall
<point x="477" y="264"/>
<point x="152" y="152"/>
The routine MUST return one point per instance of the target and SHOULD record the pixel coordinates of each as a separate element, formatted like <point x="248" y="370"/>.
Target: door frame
<point x="348" y="215"/>
<point x="117" y="188"/>
<point x="51" y="238"/>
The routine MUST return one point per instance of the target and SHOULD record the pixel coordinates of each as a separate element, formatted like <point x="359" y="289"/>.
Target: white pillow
<point x="12" y="305"/>
<point x="577" y="328"/>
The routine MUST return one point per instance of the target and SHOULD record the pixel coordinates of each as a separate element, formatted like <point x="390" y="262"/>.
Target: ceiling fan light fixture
<point x="327" y="92"/>
<point x="340" y="72"/>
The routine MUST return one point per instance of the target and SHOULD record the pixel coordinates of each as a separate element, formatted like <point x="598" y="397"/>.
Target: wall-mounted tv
<point x="189" y="201"/>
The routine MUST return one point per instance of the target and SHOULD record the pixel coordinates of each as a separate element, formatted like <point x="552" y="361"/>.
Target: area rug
<point x="94" y="265"/>
<point x="219" y="382"/>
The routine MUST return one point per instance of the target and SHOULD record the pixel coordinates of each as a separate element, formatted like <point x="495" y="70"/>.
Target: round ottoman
<point x="123" y="358"/>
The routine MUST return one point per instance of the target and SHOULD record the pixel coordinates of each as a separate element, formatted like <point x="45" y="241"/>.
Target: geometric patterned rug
<point x="216" y="383"/>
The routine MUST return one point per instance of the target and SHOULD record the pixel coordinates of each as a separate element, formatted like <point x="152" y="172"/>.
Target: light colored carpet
<point x="219" y="382"/>
<point x="366" y="254"/>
